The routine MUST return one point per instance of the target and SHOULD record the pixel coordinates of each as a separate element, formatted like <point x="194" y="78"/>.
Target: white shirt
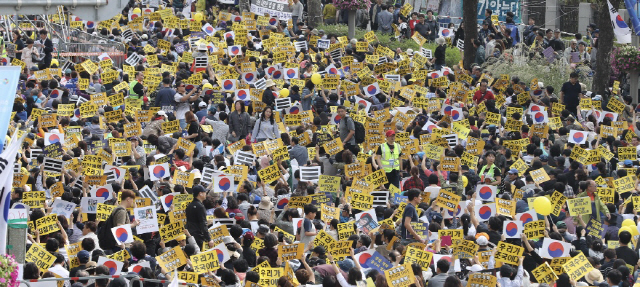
<point x="181" y="108"/>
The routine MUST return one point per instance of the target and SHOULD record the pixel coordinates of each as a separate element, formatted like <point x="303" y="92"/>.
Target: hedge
<point x="453" y="55"/>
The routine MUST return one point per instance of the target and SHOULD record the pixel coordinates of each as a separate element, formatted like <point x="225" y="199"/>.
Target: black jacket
<point x="197" y="221"/>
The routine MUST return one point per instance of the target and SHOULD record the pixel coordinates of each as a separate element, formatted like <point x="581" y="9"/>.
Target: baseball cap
<point x="202" y="104"/>
<point x="83" y="256"/>
<point x="197" y="189"/>
<point x="628" y="162"/>
<point x="390" y="133"/>
<point x="162" y="113"/>
<point x="513" y="170"/>
<point x="561" y="224"/>
<point x="544" y="157"/>
<point x="346" y="265"/>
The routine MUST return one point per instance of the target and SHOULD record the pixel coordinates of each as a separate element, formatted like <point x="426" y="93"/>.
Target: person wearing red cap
<point x="388" y="158"/>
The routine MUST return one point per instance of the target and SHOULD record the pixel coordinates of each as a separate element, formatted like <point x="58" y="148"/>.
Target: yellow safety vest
<point x="133" y="94"/>
<point x="390" y="161"/>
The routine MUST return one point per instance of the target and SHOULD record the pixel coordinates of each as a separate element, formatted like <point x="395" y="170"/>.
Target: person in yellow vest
<point x="388" y="158"/>
<point x="136" y="89"/>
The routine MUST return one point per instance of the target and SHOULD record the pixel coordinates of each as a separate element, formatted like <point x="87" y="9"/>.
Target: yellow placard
<point x="47" y="224"/>
<point x="40" y="256"/>
<point x="579" y="206"/>
<point x="400" y="276"/>
<point x="577" y="267"/>
<point x="508" y="253"/>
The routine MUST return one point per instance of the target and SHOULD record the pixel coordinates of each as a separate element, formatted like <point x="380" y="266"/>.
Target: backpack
<point x="107" y="241"/>
<point x="360" y="134"/>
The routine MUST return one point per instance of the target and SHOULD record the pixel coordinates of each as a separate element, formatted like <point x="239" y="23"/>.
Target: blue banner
<point x="500" y="8"/>
<point x="633" y="15"/>
<point x="9" y="80"/>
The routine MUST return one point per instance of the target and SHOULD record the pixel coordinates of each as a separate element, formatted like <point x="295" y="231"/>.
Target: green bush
<point x="453" y="55"/>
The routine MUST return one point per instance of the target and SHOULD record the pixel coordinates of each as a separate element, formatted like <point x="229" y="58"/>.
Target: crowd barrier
<point x="131" y="277"/>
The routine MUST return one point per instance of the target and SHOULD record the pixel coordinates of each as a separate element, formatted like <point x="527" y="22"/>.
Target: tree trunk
<point x="601" y="76"/>
<point x="352" y="23"/>
<point x="315" y="13"/>
<point x="470" y="16"/>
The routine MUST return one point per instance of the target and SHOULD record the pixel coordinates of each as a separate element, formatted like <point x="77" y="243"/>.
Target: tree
<point x="605" y="45"/>
<point x="315" y="13"/>
<point x="470" y="18"/>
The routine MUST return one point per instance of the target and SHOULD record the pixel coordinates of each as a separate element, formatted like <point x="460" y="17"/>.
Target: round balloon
<point x="54" y="62"/>
<point x="198" y="16"/>
<point x="136" y="11"/>
<point x="625" y="228"/>
<point x="542" y="205"/>
<point x="628" y="222"/>
<point x="465" y="181"/>
<point x="316" y="78"/>
<point x="633" y="230"/>
<point x="284" y="92"/>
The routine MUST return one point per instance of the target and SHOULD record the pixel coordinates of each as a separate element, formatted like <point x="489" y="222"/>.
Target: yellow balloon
<point x="542" y="205"/>
<point x="316" y="78"/>
<point x="54" y="62"/>
<point x="628" y="222"/>
<point x="136" y="11"/>
<point x="284" y="92"/>
<point x="207" y="85"/>
<point x="465" y="181"/>
<point x="625" y="228"/>
<point x="633" y="230"/>
<point x="198" y="16"/>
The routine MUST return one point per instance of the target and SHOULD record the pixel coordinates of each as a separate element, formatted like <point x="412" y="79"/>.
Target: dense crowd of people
<point x="232" y="149"/>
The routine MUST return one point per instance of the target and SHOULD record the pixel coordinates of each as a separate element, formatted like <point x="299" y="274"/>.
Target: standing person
<point x="265" y="128"/>
<point x="329" y="13"/>
<point x="136" y="89"/>
<point x="119" y="216"/>
<point x="267" y="96"/>
<point x="529" y="28"/>
<point x="490" y="173"/>
<point x="483" y="94"/>
<point x="388" y="158"/>
<point x="29" y="53"/>
<point x="296" y="14"/>
<point x="164" y="97"/>
<point x="440" y="53"/>
<point x="239" y="122"/>
<point x="193" y="130"/>
<point x="432" y="24"/>
<point x="46" y="47"/>
<point x="347" y="130"/>
<point x="459" y="35"/>
<point x="197" y="217"/>
<point x="421" y="28"/>
<point x="183" y="100"/>
<point x="307" y="95"/>
<point x="17" y="40"/>
<point x="597" y="206"/>
<point x="407" y="234"/>
<point x="571" y="93"/>
<point x="373" y="14"/>
<point x="514" y="31"/>
<point x="385" y="19"/>
<point x="308" y="231"/>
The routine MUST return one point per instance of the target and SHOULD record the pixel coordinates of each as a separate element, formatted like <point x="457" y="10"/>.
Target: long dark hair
<point x="271" y="118"/>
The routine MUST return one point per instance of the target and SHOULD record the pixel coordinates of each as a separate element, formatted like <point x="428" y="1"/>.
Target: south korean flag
<point x="53" y="165"/>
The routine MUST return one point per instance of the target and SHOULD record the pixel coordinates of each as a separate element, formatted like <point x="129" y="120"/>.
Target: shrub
<point x="453" y="55"/>
<point x="526" y="69"/>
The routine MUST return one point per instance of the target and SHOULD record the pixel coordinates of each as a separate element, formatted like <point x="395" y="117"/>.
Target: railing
<point x="78" y="52"/>
<point x="131" y="277"/>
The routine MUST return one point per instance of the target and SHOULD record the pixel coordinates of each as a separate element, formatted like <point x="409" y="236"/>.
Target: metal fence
<point x="79" y="52"/>
<point x="133" y="278"/>
<point x="569" y="19"/>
